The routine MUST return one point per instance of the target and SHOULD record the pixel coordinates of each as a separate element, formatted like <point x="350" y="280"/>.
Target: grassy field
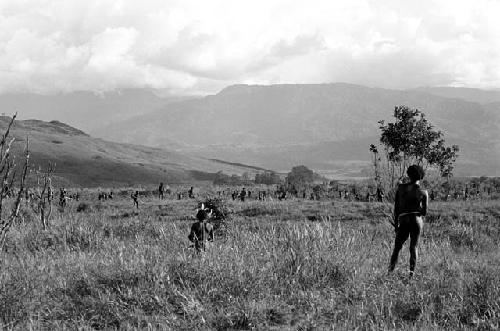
<point x="291" y="265"/>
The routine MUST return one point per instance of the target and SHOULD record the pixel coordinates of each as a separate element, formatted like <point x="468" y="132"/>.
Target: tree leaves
<point x="412" y="139"/>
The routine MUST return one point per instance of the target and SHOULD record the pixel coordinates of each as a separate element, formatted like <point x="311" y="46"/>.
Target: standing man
<point x="62" y="197"/>
<point x="410" y="207"/>
<point x="161" y="191"/>
<point x="243" y="194"/>
<point x="380" y="194"/>
<point x="135" y="198"/>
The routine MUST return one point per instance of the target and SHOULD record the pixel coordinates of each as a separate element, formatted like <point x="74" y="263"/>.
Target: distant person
<point x="191" y="192"/>
<point x="410" y="206"/>
<point x="62" y="197"/>
<point x="161" y="191"/>
<point x="201" y="231"/>
<point x="380" y="194"/>
<point x="135" y="199"/>
<point x="243" y="194"/>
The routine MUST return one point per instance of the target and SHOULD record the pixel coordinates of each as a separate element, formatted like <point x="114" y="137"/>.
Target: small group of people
<point x="410" y="207"/>
<point x="162" y="190"/>
<point x="241" y="195"/>
<point x="103" y="196"/>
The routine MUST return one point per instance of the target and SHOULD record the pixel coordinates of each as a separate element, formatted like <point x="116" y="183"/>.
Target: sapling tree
<point x="13" y="177"/>
<point x="43" y="194"/>
<point x="411" y="139"/>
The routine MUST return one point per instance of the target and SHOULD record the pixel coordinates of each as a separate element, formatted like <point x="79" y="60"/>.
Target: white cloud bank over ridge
<point x="189" y="46"/>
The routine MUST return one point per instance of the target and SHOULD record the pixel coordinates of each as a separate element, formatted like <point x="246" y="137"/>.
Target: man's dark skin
<point x="410" y="206"/>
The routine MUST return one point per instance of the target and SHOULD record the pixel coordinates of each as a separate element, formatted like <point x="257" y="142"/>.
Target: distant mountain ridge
<point x="325" y="126"/>
<point x="85" y="161"/>
<point x="84" y="109"/>
<point x="463" y="93"/>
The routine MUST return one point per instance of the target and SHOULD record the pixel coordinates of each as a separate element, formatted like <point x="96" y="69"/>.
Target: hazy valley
<point x="326" y="126"/>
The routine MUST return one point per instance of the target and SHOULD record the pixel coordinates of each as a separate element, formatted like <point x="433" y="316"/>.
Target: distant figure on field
<point x="410" y="206"/>
<point x="135" y="199"/>
<point x="191" y="192"/>
<point x="201" y="230"/>
<point x="380" y="194"/>
<point x="243" y="194"/>
<point x="161" y="191"/>
<point x="62" y="197"/>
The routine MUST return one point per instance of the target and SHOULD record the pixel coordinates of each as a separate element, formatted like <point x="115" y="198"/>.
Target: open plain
<point x="275" y="265"/>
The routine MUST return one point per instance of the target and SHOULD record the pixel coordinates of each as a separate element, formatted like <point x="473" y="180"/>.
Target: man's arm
<point x="211" y="233"/>
<point x="396" y="209"/>
<point x="425" y="202"/>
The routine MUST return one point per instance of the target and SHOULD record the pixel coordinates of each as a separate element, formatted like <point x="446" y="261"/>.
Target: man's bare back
<point x="410" y="199"/>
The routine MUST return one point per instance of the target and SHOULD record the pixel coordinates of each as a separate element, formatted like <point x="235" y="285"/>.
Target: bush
<point x="83" y="207"/>
<point x="221" y="214"/>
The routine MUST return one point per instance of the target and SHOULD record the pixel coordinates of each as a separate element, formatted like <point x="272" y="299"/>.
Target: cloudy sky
<point x="199" y="47"/>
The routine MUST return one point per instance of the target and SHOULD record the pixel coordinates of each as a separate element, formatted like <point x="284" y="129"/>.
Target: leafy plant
<point x="411" y="139"/>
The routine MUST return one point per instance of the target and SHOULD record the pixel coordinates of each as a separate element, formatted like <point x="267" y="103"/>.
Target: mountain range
<point x="327" y="127"/>
<point x="84" y="109"/>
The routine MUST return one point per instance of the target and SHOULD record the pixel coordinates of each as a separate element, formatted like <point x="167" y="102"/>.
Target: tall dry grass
<point x="291" y="265"/>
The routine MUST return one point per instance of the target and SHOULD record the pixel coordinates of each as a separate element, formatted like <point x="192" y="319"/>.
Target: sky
<point x="199" y="47"/>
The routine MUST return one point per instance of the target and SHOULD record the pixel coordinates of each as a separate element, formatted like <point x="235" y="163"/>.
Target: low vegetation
<point x="281" y="265"/>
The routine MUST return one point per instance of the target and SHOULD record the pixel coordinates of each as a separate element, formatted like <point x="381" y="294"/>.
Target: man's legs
<point x="416" y="229"/>
<point x="401" y="237"/>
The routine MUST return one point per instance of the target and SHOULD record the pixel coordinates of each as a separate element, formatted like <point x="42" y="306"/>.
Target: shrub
<point x="83" y="207"/>
<point x="221" y="213"/>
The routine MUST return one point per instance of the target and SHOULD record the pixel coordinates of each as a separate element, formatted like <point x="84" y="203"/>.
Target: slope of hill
<point x="86" y="161"/>
<point x="325" y="126"/>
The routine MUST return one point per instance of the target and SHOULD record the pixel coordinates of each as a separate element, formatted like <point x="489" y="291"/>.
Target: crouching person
<point x="201" y="231"/>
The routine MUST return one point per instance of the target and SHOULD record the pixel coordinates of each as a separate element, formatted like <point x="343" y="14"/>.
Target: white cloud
<point x="190" y="46"/>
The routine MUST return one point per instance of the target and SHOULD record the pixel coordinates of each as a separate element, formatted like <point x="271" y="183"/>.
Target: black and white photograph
<point x="250" y="165"/>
